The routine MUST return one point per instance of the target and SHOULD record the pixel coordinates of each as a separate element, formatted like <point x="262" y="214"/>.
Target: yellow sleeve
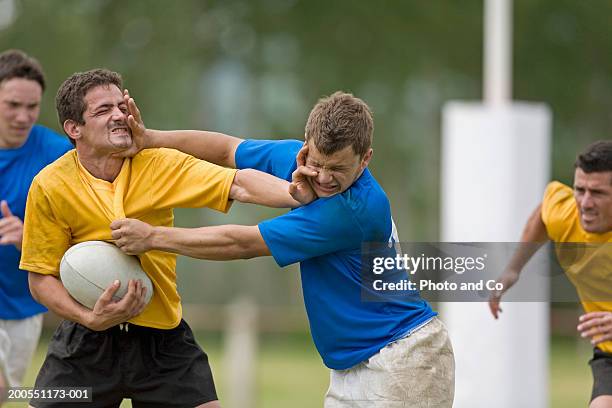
<point x="180" y="180"/>
<point x="558" y="210"/>
<point x="45" y="237"/>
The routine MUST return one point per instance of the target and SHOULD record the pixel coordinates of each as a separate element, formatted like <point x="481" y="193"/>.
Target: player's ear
<point x="72" y="129"/>
<point x="366" y="158"/>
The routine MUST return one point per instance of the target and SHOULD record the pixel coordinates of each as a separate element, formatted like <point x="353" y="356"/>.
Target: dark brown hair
<point x="70" y="98"/>
<point x="340" y="120"/>
<point x="597" y="157"/>
<point x="18" y="64"/>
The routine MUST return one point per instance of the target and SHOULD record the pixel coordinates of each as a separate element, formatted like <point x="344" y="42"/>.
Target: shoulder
<point x="364" y="205"/>
<point x="50" y="138"/>
<point x="276" y="157"/>
<point x="558" y="201"/>
<point x="556" y="192"/>
<point x="60" y="171"/>
<point x="370" y="206"/>
<point x="162" y="155"/>
<point x="559" y="211"/>
<point x="366" y="194"/>
<point x="254" y="150"/>
<point x="284" y="144"/>
<point x="48" y="144"/>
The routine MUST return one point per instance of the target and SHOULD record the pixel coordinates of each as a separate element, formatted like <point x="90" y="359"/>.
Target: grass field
<point x="290" y="372"/>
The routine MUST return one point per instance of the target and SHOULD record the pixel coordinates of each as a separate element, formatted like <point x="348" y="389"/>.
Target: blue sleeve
<point x="276" y="157"/>
<point x="52" y="144"/>
<point x="322" y="227"/>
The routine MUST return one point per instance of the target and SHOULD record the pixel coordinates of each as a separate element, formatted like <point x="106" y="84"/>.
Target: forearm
<point x="214" y="147"/>
<point x="256" y="187"/>
<point x="50" y="292"/>
<point x="218" y="243"/>
<point x="534" y="236"/>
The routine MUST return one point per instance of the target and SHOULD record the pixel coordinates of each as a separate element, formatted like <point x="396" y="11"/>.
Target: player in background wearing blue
<point x="384" y="354"/>
<point x="25" y="148"/>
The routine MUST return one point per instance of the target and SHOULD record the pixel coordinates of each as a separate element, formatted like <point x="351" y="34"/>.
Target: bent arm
<point x="213" y="147"/>
<point x="256" y="187"/>
<point x="49" y="291"/>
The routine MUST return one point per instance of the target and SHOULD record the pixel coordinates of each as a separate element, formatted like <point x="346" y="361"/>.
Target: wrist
<point x="150" y="139"/>
<point x="88" y="320"/>
<point x="155" y="239"/>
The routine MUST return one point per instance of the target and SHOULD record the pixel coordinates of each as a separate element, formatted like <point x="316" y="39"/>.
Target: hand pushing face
<point x="335" y="172"/>
<point x="105" y="127"/>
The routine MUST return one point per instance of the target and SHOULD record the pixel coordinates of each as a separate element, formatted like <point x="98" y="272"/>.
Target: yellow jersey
<point x="588" y="265"/>
<point x="67" y="205"/>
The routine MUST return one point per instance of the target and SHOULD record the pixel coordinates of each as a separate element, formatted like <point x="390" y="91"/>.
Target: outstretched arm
<point x="533" y="237"/>
<point x="218" y="243"/>
<point x="213" y="147"/>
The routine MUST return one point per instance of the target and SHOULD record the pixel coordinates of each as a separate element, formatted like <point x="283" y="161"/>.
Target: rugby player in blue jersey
<point x="388" y="353"/>
<point x="25" y="148"/>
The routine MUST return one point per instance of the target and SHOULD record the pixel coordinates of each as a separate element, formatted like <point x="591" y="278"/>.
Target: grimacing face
<point x="105" y="129"/>
<point x="19" y="109"/>
<point x="337" y="171"/>
<point x="593" y="194"/>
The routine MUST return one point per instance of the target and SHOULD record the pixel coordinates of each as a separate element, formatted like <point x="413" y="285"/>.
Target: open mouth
<point x="120" y="131"/>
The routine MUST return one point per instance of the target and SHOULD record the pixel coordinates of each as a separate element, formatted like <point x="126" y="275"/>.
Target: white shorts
<point x="18" y="340"/>
<point x="416" y="371"/>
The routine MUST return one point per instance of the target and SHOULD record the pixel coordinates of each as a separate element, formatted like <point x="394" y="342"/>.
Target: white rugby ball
<point x="90" y="267"/>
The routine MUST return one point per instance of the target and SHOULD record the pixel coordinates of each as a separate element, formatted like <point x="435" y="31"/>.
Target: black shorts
<point x="601" y="366"/>
<point x="153" y="367"/>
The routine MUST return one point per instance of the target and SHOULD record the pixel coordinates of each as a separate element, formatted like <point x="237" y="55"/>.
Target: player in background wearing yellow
<point x="579" y="215"/>
<point x="154" y="359"/>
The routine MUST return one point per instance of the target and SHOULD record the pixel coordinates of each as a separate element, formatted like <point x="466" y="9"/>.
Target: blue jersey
<point x="326" y="237"/>
<point x="17" y="169"/>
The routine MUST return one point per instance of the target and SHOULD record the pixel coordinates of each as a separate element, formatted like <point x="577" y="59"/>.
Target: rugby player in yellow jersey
<point x="583" y="215"/>
<point x="153" y="359"/>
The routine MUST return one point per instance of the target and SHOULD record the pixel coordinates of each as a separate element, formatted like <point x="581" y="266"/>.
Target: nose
<point x="324" y="177"/>
<point x="587" y="201"/>
<point x="118" y="115"/>
<point x="23" y="116"/>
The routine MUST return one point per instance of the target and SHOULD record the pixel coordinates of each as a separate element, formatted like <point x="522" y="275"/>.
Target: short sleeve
<point x="558" y="209"/>
<point x="276" y="157"/>
<point x="322" y="227"/>
<point x="45" y="237"/>
<point x="180" y="180"/>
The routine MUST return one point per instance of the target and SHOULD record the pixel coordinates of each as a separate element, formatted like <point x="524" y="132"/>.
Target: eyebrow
<point x="18" y="102"/>
<point x="593" y="190"/>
